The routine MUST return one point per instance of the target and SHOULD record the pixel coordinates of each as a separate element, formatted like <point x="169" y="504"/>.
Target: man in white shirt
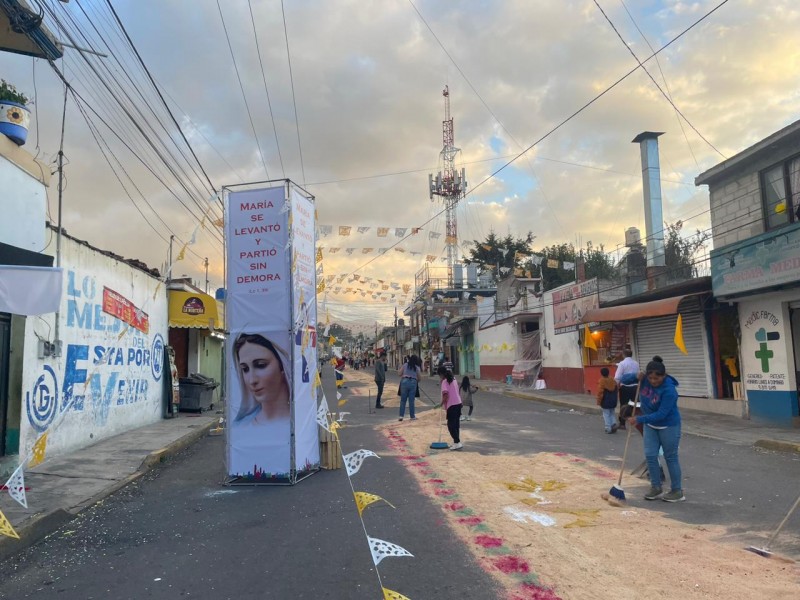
<point x="627" y="378"/>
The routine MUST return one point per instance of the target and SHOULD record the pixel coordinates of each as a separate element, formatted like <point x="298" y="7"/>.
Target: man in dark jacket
<point x="380" y="378"/>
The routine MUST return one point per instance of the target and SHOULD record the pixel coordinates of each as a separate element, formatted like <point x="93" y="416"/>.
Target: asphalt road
<point x="178" y="533"/>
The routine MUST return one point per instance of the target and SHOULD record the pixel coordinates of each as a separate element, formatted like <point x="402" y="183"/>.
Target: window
<point x="781" y="193"/>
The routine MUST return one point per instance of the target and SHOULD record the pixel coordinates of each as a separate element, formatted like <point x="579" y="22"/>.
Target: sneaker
<point x="462" y="418"/>
<point x="379" y="406"/>
<point x="654" y="493"/>
<point x="674" y="496"/>
<point x="469" y="418"/>
<point x="457" y="446"/>
<point x="614" y="428"/>
<point x="413" y="418"/>
<point x="400" y="419"/>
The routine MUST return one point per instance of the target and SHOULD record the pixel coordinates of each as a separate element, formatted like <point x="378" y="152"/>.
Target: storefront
<point x="760" y="276"/>
<point x="650" y="329"/>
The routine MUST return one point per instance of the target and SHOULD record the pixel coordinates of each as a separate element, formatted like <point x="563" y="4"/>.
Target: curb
<point x="40" y="526"/>
<point x="778" y="445"/>
<point x="554" y="402"/>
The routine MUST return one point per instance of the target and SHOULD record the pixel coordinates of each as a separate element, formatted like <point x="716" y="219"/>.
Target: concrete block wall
<point x="736" y="210"/>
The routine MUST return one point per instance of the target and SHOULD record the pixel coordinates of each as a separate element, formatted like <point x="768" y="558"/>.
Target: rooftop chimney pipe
<point x="651" y="182"/>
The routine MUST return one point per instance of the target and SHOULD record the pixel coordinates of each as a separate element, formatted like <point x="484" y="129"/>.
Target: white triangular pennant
<point x="353" y="461"/>
<point x="338" y="395"/>
<point x="16" y="486"/>
<point x="381" y="549"/>
<point x="322" y="414"/>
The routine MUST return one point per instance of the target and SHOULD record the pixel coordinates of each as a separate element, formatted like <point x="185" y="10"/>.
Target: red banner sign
<point x="118" y="306"/>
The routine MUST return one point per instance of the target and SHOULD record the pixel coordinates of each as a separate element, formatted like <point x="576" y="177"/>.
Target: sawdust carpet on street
<point x="537" y="523"/>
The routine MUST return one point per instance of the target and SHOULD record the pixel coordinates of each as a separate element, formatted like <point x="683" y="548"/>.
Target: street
<point x="178" y="533"/>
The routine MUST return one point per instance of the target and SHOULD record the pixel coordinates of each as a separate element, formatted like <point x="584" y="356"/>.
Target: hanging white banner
<point x="304" y="286"/>
<point x="30" y="290"/>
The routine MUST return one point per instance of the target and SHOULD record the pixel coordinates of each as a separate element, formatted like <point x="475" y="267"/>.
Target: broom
<point x="440" y="445"/>
<point x="616" y="495"/>
<point x="765" y="551"/>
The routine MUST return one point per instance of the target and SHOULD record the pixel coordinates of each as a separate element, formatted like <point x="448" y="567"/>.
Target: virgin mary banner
<point x="271" y="353"/>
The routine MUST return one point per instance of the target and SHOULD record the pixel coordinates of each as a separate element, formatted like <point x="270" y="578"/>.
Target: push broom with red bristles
<point x="616" y="495"/>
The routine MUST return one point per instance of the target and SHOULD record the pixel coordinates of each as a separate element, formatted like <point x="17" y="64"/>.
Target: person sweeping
<point x="451" y="402"/>
<point x="662" y="429"/>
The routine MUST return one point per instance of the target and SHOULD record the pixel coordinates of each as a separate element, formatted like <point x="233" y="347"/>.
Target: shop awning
<point x="640" y="310"/>
<point x="193" y="310"/>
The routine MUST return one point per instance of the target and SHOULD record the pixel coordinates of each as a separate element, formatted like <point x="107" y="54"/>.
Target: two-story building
<point x="755" y="218"/>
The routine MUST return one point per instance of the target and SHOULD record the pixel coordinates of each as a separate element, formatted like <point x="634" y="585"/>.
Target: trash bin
<point x="509" y="379"/>
<point x="197" y="393"/>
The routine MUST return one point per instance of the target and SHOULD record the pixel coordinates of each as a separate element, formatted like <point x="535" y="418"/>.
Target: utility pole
<point x="396" y="342"/>
<point x="206" y="263"/>
<point x="169" y="265"/>
<point x="450" y="185"/>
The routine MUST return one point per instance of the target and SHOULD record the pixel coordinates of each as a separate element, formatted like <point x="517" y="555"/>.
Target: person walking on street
<point x="409" y="379"/>
<point x="466" y="389"/>
<point x="662" y="429"/>
<point x="607" y="399"/>
<point x="380" y="378"/>
<point x="627" y="378"/>
<point x="451" y="402"/>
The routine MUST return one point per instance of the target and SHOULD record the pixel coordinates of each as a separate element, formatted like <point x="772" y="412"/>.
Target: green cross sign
<point x="764" y="354"/>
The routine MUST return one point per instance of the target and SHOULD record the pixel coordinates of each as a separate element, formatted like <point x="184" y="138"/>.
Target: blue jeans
<point x="609" y="418"/>
<point x="668" y="439"/>
<point x="408" y="388"/>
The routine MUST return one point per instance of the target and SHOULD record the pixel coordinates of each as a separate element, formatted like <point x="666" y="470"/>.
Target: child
<point x="451" y="402"/>
<point x="607" y="400"/>
<point x="466" y="390"/>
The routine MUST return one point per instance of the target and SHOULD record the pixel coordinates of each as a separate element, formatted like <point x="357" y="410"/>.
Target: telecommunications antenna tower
<point x="450" y="185"/>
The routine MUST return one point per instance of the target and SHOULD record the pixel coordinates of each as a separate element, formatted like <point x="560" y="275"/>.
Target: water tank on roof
<point x="472" y="275"/>
<point x="458" y="276"/>
<point x="632" y="236"/>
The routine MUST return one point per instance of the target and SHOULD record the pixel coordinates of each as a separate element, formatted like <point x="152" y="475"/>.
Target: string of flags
<point x="347" y="230"/>
<point x="379" y="548"/>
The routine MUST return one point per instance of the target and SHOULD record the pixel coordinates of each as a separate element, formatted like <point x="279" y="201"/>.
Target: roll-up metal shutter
<point x="656" y="337"/>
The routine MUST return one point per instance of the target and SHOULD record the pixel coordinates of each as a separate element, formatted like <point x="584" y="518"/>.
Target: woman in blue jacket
<point x="662" y="428"/>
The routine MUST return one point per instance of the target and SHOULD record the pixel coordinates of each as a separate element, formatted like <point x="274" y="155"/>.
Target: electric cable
<point x="241" y="87"/>
<point x="663" y="93"/>
<point x="294" y="99"/>
<point x="266" y="87"/>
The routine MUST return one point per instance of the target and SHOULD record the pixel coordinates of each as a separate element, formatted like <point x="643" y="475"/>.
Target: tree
<point x="495" y="251"/>
<point x="679" y="252"/>
<point x="598" y="263"/>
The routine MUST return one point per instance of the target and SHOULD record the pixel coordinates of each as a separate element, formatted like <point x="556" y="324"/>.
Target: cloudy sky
<point x="366" y="88"/>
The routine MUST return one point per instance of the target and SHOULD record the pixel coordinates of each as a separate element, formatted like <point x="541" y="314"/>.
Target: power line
<point x="294" y="100"/>
<point x="663" y="93"/>
<point x="666" y="84"/>
<point x="241" y="87"/>
<point x="567" y="119"/>
<point x="161" y="97"/>
<point x="266" y="88"/>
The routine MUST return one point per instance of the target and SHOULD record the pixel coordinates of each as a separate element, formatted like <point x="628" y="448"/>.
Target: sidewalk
<point x="61" y="487"/>
<point x="694" y="422"/>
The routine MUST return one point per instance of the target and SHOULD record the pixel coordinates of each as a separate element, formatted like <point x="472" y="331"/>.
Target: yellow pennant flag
<point x="6" y="528"/>
<point x="588" y="341"/>
<point x="392" y="595"/>
<point x="332" y="341"/>
<point x="679" y="335"/>
<point x="182" y="253"/>
<point x="39" y="450"/>
<point x="319" y="255"/>
<point x="363" y="500"/>
<point x="343" y="401"/>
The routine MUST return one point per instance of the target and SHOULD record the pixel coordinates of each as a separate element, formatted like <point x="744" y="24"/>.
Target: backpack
<point x="609" y="399"/>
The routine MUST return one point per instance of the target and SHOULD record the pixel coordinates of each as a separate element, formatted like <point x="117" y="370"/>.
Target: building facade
<point x="755" y="266"/>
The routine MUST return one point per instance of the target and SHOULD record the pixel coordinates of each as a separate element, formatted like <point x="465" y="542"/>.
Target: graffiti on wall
<point x="107" y="360"/>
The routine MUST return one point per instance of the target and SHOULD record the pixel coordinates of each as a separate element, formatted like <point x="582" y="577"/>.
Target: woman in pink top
<point x="451" y="402"/>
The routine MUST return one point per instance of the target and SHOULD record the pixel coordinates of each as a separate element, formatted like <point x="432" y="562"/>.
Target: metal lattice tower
<point x="450" y="185"/>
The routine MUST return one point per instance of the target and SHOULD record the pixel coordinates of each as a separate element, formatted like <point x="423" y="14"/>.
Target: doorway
<point x="5" y="349"/>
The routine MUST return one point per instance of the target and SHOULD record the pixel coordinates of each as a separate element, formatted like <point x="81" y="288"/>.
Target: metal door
<point x="656" y="337"/>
